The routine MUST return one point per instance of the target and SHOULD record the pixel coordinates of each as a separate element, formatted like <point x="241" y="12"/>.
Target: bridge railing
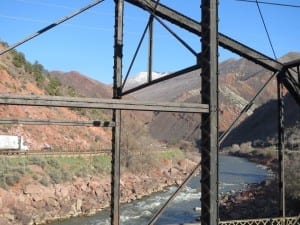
<point x="264" y="221"/>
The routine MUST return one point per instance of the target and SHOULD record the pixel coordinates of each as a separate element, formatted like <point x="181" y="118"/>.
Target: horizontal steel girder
<point x="195" y="27"/>
<point x="95" y="123"/>
<point x="71" y="102"/>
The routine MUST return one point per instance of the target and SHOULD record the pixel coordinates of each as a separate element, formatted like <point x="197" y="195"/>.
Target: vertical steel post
<point x="150" y="49"/>
<point x="298" y="72"/>
<point x="116" y="131"/>
<point x="209" y="127"/>
<point x="281" y="181"/>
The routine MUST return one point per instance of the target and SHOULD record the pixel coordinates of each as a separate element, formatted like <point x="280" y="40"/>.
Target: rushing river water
<point x="235" y="174"/>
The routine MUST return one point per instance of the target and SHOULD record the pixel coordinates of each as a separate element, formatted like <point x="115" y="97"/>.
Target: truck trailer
<point x="12" y="143"/>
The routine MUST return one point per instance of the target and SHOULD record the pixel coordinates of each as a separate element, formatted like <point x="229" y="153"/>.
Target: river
<point x="235" y="174"/>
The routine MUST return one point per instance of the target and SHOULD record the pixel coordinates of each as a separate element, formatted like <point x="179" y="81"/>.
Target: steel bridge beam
<point x="281" y="143"/>
<point x="292" y="63"/>
<point x="210" y="121"/>
<point x="116" y="131"/>
<point x="196" y="28"/>
<point x="71" y="102"/>
<point x="95" y="123"/>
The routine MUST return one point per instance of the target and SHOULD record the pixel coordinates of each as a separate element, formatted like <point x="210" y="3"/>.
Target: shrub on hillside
<point x="12" y="179"/>
<point x="44" y="181"/>
<point x="9" y="178"/>
<point x="53" y="87"/>
<point x="141" y="163"/>
<point x="39" y="161"/>
<point x="55" y="176"/>
<point x="52" y="162"/>
<point x="38" y="70"/>
<point x="18" y="59"/>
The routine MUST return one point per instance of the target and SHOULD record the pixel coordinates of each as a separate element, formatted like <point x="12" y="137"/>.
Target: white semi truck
<point x="12" y="143"/>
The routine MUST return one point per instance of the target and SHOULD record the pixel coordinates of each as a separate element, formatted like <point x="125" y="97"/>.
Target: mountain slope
<point x="239" y="81"/>
<point x="84" y="85"/>
<point x="261" y="128"/>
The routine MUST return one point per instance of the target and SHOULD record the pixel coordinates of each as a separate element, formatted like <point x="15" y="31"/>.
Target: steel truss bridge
<point x="287" y="75"/>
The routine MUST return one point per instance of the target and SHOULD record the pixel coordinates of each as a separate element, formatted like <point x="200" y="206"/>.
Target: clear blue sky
<point x="85" y="43"/>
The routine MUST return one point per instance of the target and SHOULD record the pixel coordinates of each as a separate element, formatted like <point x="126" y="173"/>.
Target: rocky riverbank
<point x="256" y="200"/>
<point x="34" y="203"/>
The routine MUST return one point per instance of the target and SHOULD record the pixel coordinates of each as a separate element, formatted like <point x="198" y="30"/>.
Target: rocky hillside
<point x="18" y="76"/>
<point x="21" y="77"/>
